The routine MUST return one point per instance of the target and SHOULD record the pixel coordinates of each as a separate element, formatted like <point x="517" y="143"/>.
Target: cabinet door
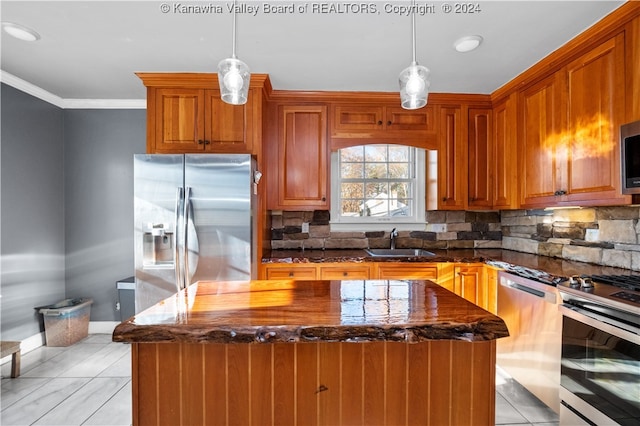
<point x="176" y="123"/>
<point x="479" y="158"/>
<point x="491" y="285"/>
<point x="357" y="118"/>
<point x="596" y="99"/>
<point x="452" y="161"/>
<point x="468" y="284"/>
<point x="225" y="124"/>
<point x="504" y="159"/>
<point x="419" y="120"/>
<point x="288" y="272"/>
<point x="398" y="271"/>
<point x="543" y="147"/>
<point x="303" y="165"/>
<point x="345" y="272"/>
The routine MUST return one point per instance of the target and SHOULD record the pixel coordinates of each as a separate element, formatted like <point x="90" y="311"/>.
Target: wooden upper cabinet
<point x="185" y="114"/>
<point x="479" y="158"/>
<point x="504" y="157"/>
<point x="543" y="156"/>
<point x="355" y="124"/>
<point x="595" y="107"/>
<point x="570" y="132"/>
<point x="452" y="160"/>
<point x="301" y="165"/>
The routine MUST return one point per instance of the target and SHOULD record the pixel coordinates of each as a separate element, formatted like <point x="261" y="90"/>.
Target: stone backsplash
<point x="443" y="230"/>
<point x="600" y="235"/>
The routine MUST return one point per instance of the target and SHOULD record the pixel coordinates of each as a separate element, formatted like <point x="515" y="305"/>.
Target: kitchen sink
<point x="398" y="252"/>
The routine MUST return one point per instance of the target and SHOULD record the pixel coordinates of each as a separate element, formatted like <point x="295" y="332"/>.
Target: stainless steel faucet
<point x="393" y="236"/>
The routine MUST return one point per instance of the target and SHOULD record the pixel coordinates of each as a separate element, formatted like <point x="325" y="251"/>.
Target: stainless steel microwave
<point x="630" y="162"/>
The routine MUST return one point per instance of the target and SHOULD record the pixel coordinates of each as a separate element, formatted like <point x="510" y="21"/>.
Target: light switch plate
<point x="305" y="227"/>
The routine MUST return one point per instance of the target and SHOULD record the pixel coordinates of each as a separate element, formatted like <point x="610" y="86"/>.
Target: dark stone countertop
<point x="280" y="311"/>
<point x="558" y="269"/>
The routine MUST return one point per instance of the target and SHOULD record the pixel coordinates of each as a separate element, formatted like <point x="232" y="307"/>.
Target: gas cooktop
<point x="621" y="292"/>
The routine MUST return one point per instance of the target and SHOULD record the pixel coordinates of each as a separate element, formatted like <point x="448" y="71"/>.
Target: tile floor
<point x="89" y="383"/>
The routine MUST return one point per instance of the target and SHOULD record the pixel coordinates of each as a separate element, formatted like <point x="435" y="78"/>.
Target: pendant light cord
<point x="413" y="28"/>
<point x="233" y="36"/>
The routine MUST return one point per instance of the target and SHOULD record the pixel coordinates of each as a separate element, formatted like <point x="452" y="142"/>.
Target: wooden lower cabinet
<point x="280" y="271"/>
<point x="468" y="283"/>
<point x="403" y="270"/>
<point x="440" y="382"/>
<point x="475" y="282"/>
<point x="342" y="272"/>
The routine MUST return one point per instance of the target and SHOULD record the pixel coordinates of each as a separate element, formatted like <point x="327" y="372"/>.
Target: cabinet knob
<point x="345" y="274"/>
<point x="206" y="142"/>
<point x="379" y="122"/>
<point x="324" y="198"/>
<point x="560" y="192"/>
<point x="444" y="198"/>
<point x="389" y="123"/>
<point x="200" y="142"/>
<point x="291" y="274"/>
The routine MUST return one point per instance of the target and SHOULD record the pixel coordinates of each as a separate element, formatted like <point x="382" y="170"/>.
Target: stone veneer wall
<point x="443" y="230"/>
<point x="564" y="233"/>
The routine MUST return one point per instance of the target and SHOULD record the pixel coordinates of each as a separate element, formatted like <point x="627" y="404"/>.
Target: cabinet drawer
<point x="302" y="273"/>
<point x="395" y="272"/>
<point x="345" y="273"/>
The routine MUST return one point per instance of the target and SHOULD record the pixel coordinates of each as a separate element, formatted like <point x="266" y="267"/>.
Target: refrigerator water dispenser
<point x="158" y="246"/>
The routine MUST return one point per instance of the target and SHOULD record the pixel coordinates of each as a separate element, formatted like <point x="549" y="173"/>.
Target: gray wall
<point x="32" y="208"/>
<point x="99" y="148"/>
<point x="67" y="207"/>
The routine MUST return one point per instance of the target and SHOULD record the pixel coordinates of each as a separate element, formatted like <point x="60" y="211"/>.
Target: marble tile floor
<point x="89" y="383"/>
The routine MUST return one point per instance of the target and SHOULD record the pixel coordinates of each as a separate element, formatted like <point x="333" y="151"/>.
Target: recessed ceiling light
<point x="20" y="32"/>
<point x="468" y="43"/>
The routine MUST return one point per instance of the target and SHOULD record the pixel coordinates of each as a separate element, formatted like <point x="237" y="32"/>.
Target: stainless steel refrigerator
<point x="195" y="219"/>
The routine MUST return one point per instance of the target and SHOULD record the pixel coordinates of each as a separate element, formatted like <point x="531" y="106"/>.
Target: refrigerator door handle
<point x="176" y="260"/>
<point x="185" y="230"/>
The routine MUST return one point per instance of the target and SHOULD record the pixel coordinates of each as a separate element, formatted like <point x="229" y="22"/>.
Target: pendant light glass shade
<point x="414" y="80"/>
<point x="234" y="78"/>
<point x="234" y="75"/>
<point x="414" y="86"/>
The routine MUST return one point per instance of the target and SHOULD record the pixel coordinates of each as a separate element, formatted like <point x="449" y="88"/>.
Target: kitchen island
<point x="313" y="352"/>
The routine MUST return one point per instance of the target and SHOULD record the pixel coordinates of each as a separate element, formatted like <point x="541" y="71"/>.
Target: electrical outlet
<point x="305" y="227"/>
<point x="592" y="235"/>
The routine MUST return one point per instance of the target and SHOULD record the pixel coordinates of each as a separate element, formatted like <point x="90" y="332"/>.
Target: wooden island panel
<point x="321" y="383"/>
<point x="287" y="352"/>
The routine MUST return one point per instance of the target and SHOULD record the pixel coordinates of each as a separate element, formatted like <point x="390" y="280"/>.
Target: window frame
<point x="372" y="223"/>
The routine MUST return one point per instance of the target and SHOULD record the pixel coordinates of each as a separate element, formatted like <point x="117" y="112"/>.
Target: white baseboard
<point x="102" y="327"/>
<point x="37" y="340"/>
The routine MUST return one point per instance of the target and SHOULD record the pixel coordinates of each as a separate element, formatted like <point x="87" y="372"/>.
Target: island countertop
<point x="299" y="311"/>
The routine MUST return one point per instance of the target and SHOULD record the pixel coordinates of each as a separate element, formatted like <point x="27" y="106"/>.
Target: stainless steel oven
<point x="600" y="360"/>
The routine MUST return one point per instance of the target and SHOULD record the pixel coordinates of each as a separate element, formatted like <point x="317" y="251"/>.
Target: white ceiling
<point x="91" y="49"/>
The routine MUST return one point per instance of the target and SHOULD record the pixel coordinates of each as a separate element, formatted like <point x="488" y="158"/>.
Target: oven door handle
<point x="613" y="327"/>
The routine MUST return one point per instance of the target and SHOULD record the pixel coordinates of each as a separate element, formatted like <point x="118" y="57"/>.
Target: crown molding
<point x="49" y="97"/>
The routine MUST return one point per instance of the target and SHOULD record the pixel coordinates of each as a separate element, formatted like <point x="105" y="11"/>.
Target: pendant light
<point x="234" y="75"/>
<point x="414" y="80"/>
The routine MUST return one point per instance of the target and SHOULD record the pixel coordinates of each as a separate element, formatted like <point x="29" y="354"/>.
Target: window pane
<point x="376" y="189"/>
<point x="375" y="171"/>
<point x="375" y="153"/>
<point x="352" y="190"/>
<point x="351" y="208"/>
<point x="354" y="153"/>
<point x="377" y="181"/>
<point x="352" y="171"/>
<point x="399" y="153"/>
<point x="399" y="171"/>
